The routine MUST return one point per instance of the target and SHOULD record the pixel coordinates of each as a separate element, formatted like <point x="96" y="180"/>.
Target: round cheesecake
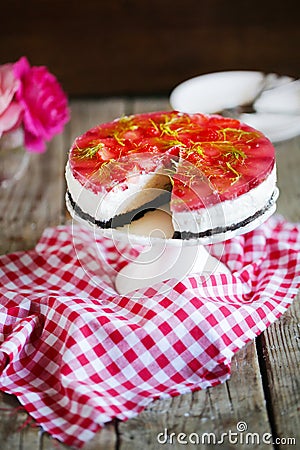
<point x="217" y="174"/>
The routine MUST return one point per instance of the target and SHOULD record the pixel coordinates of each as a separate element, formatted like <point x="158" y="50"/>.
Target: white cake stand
<point x="161" y="257"/>
<point x="164" y="258"/>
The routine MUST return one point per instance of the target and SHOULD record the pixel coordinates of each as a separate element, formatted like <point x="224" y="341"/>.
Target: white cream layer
<point x="122" y="198"/>
<point x="146" y="187"/>
<point x="228" y="212"/>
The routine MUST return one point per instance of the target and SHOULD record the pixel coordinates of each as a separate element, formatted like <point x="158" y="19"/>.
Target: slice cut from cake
<point x="125" y="201"/>
<point x="218" y="173"/>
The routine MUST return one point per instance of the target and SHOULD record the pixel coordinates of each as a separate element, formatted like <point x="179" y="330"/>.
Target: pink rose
<point x="44" y="103"/>
<point x="10" y="110"/>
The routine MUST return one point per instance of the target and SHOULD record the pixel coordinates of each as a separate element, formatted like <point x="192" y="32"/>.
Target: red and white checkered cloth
<point x="77" y="354"/>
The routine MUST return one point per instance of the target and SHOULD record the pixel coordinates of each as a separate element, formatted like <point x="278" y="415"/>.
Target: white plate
<point x="278" y="107"/>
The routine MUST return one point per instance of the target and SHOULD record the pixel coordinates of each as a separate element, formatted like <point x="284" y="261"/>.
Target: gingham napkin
<point x="77" y="354"/>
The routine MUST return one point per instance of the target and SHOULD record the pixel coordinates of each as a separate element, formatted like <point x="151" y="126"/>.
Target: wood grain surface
<point x="263" y="390"/>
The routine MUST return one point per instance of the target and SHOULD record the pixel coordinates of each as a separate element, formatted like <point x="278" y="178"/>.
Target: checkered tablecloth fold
<point x="77" y="354"/>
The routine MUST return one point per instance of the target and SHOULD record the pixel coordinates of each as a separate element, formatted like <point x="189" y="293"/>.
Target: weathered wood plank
<point x="288" y="166"/>
<point x="146" y="104"/>
<point x="35" y="201"/>
<point x="106" y="439"/>
<point x="213" y="411"/>
<point x="281" y="341"/>
<point x="89" y="113"/>
<point x="16" y="431"/>
<point x="48" y="443"/>
<point x="281" y="352"/>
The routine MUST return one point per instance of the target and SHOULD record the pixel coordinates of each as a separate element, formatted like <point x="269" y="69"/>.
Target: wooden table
<point x="263" y="390"/>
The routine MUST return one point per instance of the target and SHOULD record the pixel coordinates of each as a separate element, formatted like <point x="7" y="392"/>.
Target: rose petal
<point x="34" y="143"/>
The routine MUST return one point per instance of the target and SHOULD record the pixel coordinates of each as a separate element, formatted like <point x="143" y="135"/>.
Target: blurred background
<point x="132" y="47"/>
